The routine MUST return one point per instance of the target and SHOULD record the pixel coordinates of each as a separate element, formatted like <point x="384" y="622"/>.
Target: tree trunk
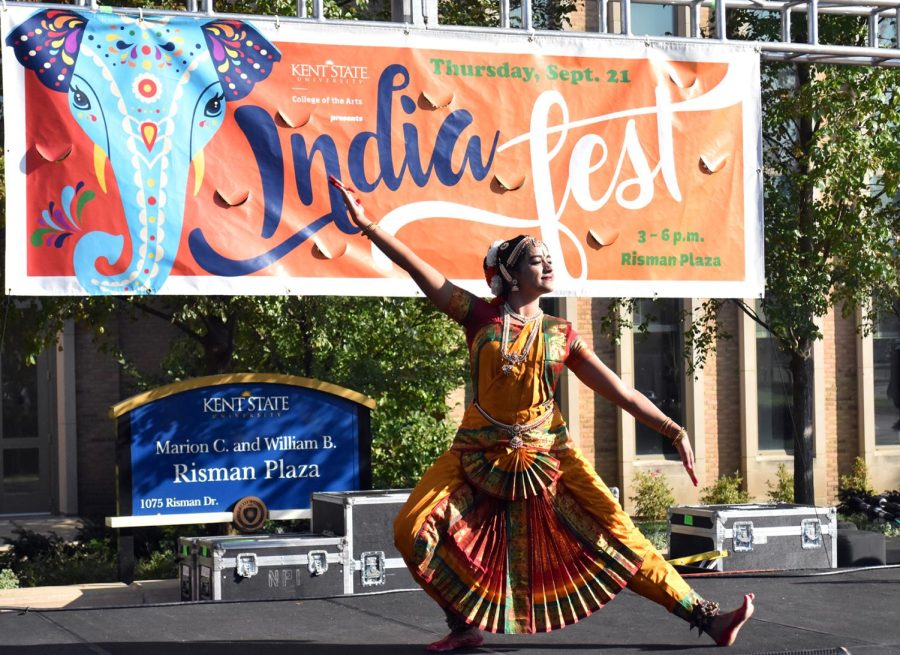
<point x="218" y="344"/>
<point x="802" y="415"/>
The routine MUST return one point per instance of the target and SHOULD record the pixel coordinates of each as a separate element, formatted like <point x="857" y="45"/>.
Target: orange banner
<point x="191" y="155"/>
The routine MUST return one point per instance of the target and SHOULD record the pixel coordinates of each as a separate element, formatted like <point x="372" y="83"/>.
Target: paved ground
<point x="858" y="610"/>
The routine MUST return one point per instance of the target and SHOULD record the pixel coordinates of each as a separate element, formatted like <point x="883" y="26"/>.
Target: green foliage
<point x="41" y="560"/>
<point x="863" y="522"/>
<point x="657" y="533"/>
<point x="38" y="560"/>
<point x="856" y="483"/>
<point x="652" y="495"/>
<point x="160" y="565"/>
<point x="783" y="489"/>
<point x="546" y="14"/>
<point x="8" y="579"/>
<point x="727" y="490"/>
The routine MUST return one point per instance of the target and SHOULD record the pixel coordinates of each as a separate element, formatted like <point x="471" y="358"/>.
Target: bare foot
<point x="468" y="638"/>
<point x="725" y="627"/>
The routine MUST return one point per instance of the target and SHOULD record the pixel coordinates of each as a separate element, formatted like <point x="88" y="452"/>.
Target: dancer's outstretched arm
<point x="597" y="376"/>
<point x="434" y="284"/>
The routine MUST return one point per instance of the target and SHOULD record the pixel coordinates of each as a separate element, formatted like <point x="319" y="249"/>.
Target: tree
<point x="832" y="209"/>
<point x="546" y="14"/>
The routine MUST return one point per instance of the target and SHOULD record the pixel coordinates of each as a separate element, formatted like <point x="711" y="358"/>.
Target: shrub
<point x="725" y="491"/>
<point x="41" y="560"/>
<point x="160" y="565"/>
<point x="657" y="533"/>
<point x="652" y="495"/>
<point x="8" y="579"/>
<point x="783" y="489"/>
<point x="856" y="483"/>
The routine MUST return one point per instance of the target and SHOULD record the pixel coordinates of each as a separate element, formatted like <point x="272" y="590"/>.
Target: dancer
<point x="511" y="530"/>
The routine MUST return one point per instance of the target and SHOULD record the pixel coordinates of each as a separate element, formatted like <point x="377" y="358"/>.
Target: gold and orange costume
<point x="511" y="529"/>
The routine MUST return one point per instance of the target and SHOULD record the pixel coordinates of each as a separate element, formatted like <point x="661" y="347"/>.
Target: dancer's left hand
<point x="687" y="458"/>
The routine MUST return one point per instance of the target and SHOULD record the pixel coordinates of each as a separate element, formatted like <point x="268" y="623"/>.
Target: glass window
<point x="19" y="383"/>
<point x="886" y="361"/>
<point x="21" y="467"/>
<point x="652" y="20"/>
<point x="659" y="369"/>
<point x="773" y="393"/>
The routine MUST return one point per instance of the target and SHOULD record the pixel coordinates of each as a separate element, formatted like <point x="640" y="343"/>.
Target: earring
<point x="515" y="284"/>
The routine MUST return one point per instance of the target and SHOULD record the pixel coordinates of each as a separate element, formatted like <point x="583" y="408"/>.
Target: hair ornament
<point x="493" y="254"/>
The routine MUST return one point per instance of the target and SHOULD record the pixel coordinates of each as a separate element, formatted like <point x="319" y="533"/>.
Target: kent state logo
<point x="246" y="405"/>
<point x="329" y="72"/>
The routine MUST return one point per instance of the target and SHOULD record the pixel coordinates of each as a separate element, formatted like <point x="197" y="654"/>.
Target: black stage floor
<point x="858" y="610"/>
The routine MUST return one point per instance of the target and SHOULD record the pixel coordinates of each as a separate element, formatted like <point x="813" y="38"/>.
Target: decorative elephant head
<point x="150" y="96"/>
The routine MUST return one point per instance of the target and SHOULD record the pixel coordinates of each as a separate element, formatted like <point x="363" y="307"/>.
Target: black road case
<point x="267" y="567"/>
<point x="187" y="567"/>
<point x="756" y="536"/>
<point x="366" y="520"/>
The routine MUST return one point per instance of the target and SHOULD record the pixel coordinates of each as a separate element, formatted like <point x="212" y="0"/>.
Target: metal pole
<point x="604" y="16"/>
<point x="527" y="19"/>
<point x="626" y="17"/>
<point x="812" y="22"/>
<point x="301" y="8"/>
<point x="720" y="20"/>
<point x="897" y="27"/>
<point x="504" y="14"/>
<point x="319" y="9"/>
<point x="695" y="20"/>
<point x="786" y="25"/>
<point x="873" y="29"/>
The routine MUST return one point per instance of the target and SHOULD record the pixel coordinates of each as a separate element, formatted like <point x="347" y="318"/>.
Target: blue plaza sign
<point x="198" y="447"/>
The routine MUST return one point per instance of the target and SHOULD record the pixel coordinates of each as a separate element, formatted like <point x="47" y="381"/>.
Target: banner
<point x="199" y="446"/>
<point x="190" y="154"/>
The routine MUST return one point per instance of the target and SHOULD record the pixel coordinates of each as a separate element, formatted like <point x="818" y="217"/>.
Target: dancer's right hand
<point x="354" y="205"/>
<point x="686" y="452"/>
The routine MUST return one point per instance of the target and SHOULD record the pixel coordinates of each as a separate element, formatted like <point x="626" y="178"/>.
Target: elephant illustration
<point x="150" y="94"/>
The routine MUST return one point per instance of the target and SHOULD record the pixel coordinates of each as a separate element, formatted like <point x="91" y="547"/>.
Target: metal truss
<point x="699" y="21"/>
<point x="882" y="18"/>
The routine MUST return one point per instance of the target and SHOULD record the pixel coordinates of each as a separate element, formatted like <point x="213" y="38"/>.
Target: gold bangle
<point x="682" y="433"/>
<point x="368" y="229"/>
<point x="664" y="428"/>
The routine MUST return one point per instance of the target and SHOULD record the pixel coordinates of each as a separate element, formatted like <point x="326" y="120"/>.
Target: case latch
<point x="246" y="566"/>
<point x="372" y="568"/>
<point x="743" y="536"/>
<point x="810" y="533"/>
<point x="317" y="562"/>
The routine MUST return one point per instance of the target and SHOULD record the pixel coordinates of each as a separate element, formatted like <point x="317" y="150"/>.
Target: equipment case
<point x="756" y="536"/>
<point x="366" y="520"/>
<point x="257" y="567"/>
<point x="187" y="567"/>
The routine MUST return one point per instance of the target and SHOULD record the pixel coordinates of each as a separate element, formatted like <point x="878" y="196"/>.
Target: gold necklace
<point x="512" y="359"/>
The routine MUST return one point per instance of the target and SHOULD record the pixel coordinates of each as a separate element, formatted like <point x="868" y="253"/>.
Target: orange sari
<point x="512" y="529"/>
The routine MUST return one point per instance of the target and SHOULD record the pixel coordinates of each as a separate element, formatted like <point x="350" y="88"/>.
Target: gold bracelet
<point x="682" y="433"/>
<point x="664" y="428"/>
<point x="368" y="229"/>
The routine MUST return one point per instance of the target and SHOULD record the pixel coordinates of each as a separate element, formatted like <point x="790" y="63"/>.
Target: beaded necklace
<point x="511" y="359"/>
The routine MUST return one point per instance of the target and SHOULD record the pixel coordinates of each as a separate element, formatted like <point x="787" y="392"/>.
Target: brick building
<point x="737" y="408"/>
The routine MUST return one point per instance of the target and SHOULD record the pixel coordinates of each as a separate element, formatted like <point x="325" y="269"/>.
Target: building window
<point x="659" y="369"/>
<point x="773" y="392"/>
<point x="652" y="20"/>
<point x="886" y="364"/>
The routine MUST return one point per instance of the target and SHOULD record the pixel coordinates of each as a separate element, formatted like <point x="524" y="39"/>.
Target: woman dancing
<point x="512" y="530"/>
